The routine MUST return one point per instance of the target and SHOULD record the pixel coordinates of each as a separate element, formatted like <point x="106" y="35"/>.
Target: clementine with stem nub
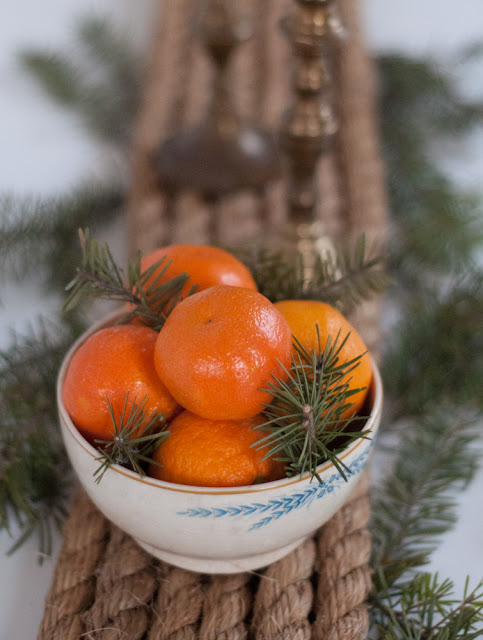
<point x="219" y="350"/>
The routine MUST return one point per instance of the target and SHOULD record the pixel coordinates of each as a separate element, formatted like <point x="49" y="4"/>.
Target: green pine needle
<point x="136" y="434"/>
<point x="304" y="420"/>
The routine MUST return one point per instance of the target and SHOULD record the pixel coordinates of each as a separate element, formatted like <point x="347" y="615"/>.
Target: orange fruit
<point x="218" y="350"/>
<point x="214" y="453"/>
<point x="303" y="317"/>
<point x="207" y="266"/>
<point x="112" y="362"/>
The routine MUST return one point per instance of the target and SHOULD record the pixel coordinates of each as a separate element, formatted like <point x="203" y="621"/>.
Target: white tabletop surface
<point x="44" y="151"/>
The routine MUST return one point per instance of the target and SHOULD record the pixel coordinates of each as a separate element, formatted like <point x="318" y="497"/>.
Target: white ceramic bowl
<point x="217" y="530"/>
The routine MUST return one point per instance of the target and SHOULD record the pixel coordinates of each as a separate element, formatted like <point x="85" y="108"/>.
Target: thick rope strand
<point x="344" y="579"/>
<point x="125" y="588"/>
<point x="228" y="601"/>
<point x="74" y="581"/>
<point x="178" y="604"/>
<point x="284" y="597"/>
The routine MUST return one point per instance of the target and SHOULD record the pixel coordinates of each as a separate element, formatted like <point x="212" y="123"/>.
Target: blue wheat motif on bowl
<point x="276" y="508"/>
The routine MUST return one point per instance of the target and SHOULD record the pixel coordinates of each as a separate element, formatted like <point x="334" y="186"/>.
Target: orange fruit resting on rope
<point x="207" y="266"/>
<point x="218" y="350"/>
<point x="113" y="362"/>
<point x="214" y="453"/>
<point x="304" y="316"/>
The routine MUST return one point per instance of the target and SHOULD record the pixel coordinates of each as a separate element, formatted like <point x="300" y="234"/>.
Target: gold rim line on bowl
<point x="375" y="390"/>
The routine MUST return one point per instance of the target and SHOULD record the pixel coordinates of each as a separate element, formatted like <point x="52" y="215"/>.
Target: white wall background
<point x="43" y="150"/>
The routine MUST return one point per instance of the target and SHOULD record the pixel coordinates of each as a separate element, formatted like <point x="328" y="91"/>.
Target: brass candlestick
<point x="221" y="154"/>
<point x="309" y="123"/>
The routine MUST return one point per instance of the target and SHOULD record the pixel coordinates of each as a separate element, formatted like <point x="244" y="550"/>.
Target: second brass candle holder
<point x="221" y="154"/>
<point x="309" y="123"/>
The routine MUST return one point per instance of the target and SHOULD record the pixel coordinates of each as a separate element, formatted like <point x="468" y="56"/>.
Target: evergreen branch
<point x="343" y="277"/>
<point x="29" y="368"/>
<point x="445" y="327"/>
<point x="36" y="235"/>
<point x="427" y="609"/>
<point x="109" y="50"/>
<point x="415" y="504"/>
<point x="111" y="104"/>
<point x="436" y="225"/>
<point x="424" y="93"/>
<point x="304" y="420"/>
<point x="105" y="94"/>
<point x="135" y="436"/>
<point x="58" y="76"/>
<point x="99" y="277"/>
<point x="35" y="475"/>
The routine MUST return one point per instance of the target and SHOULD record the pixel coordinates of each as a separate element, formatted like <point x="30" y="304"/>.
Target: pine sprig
<point x="36" y="234"/>
<point x="417" y="503"/>
<point x="343" y="277"/>
<point x="436" y="226"/>
<point x="304" y="421"/>
<point x="99" y="277"/>
<point x="444" y="327"/>
<point x="104" y="93"/>
<point x="425" y="91"/>
<point x="136" y="434"/>
<point x="35" y="476"/>
<point x="35" y="484"/>
<point x="427" y="609"/>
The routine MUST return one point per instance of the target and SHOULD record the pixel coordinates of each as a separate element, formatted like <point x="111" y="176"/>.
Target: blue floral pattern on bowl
<point x="275" y="509"/>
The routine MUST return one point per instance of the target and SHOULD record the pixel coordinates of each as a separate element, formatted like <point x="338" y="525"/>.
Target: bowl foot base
<point x="217" y="565"/>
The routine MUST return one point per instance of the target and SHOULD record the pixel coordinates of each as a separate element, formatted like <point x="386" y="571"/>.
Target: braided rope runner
<point x="104" y="586"/>
<point x="74" y="583"/>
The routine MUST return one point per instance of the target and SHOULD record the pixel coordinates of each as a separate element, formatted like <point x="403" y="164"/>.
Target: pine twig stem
<point x="109" y="289"/>
<point x="388" y="611"/>
<point x="325" y="290"/>
<point x="308" y="420"/>
<point x="468" y="600"/>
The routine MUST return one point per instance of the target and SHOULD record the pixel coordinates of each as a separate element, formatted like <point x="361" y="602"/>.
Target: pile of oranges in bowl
<point x="208" y="374"/>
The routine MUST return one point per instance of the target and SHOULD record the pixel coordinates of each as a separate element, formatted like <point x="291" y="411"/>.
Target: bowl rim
<point x="376" y="390"/>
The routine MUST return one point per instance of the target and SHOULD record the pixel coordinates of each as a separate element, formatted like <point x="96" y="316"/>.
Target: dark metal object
<point x="222" y="154"/>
